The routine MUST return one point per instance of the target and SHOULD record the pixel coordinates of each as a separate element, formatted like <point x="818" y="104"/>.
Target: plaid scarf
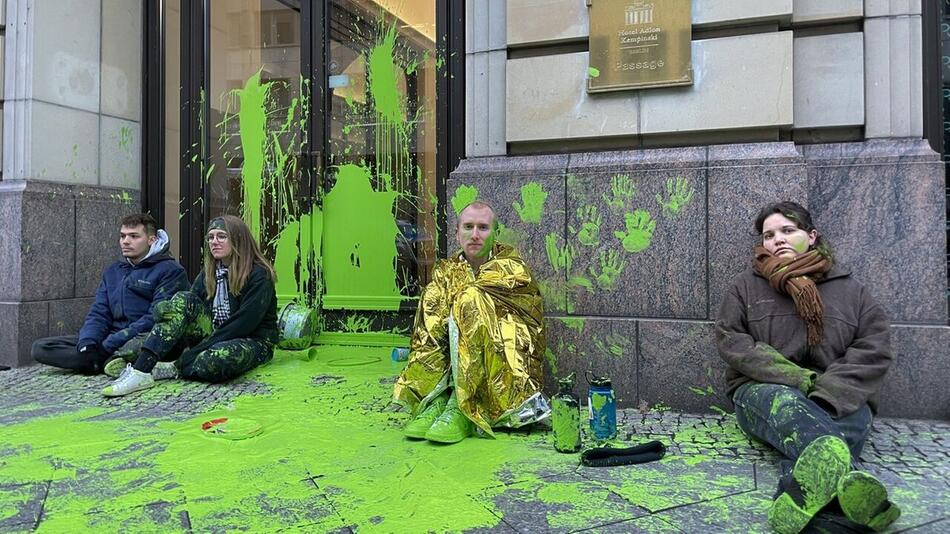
<point x="796" y="277"/>
<point x="221" y="308"/>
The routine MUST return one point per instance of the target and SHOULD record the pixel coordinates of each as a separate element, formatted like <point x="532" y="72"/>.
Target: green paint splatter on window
<point x="360" y="239"/>
<point x="531" y="207"/>
<point x="464" y="195"/>
<point x="593" y="72"/>
<point x="356" y="323"/>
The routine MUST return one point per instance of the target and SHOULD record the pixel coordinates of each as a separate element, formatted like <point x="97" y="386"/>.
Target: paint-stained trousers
<point x="184" y="321"/>
<point x="60" y="351"/>
<point x="786" y="419"/>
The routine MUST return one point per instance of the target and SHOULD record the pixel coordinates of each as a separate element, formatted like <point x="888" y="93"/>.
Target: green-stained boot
<point x="814" y="483"/>
<point x="863" y="499"/>
<point x="418" y="427"/>
<point x="452" y="426"/>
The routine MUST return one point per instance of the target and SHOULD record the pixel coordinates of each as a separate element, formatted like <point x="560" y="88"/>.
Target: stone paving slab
<point x="713" y="479"/>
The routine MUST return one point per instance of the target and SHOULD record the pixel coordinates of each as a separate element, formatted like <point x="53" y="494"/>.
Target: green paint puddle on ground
<point x="331" y="455"/>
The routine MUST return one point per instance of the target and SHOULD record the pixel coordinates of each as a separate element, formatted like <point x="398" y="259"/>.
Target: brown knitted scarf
<point x="796" y="277"/>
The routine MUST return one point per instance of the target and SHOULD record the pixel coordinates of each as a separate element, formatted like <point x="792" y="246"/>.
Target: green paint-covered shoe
<point x="814" y="484"/>
<point x="863" y="499"/>
<point x="452" y="426"/>
<point x="114" y="367"/>
<point x="418" y="427"/>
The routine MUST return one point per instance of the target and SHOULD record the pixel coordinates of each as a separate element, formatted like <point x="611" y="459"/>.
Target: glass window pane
<point x="382" y="72"/>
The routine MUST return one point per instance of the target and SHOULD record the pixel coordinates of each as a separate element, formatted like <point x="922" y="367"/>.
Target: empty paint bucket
<point x="298" y="326"/>
<point x="400" y="354"/>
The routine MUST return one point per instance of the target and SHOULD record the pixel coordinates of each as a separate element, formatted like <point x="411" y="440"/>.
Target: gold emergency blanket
<point x="501" y="338"/>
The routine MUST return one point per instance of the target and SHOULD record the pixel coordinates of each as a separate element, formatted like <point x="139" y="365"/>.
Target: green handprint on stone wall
<point x="679" y="192"/>
<point x="621" y="191"/>
<point x="561" y="258"/>
<point x="532" y="202"/>
<point x="589" y="233"/>
<point x="611" y="264"/>
<point x="464" y="195"/>
<point x="639" y="234"/>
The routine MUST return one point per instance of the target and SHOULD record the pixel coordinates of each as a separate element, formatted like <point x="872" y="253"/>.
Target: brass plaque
<point x="639" y="43"/>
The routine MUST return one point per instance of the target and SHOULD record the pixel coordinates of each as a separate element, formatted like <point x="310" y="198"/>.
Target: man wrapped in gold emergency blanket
<point x="479" y="332"/>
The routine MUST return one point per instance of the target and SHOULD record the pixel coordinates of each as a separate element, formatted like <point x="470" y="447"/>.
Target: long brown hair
<point x="244" y="254"/>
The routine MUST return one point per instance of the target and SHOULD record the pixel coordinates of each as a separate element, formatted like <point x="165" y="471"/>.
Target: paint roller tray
<point x="231" y="428"/>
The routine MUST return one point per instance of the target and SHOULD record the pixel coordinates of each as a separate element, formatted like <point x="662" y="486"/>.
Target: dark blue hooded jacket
<point x="126" y="295"/>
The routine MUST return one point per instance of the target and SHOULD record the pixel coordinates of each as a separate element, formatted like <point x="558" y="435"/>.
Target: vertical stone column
<point x="892" y="65"/>
<point x="485" y="56"/>
<point x="71" y="160"/>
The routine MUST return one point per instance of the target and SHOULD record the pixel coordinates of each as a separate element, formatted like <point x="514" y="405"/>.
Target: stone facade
<point x="814" y="101"/>
<point x="650" y="327"/>
<point x="71" y="160"/>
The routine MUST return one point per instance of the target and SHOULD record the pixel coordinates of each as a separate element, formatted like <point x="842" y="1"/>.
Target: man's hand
<point x="639" y="234"/>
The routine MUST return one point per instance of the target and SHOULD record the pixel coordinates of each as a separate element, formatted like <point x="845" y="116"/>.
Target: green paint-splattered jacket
<point x="253" y="312"/>
<point x="850" y="362"/>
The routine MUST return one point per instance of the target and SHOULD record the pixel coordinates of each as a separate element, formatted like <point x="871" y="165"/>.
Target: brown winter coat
<point x="845" y="370"/>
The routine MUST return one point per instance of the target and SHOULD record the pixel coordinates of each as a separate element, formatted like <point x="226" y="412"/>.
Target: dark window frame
<point x="195" y="45"/>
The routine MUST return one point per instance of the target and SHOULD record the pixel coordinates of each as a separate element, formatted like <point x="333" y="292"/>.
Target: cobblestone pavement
<point x="713" y="479"/>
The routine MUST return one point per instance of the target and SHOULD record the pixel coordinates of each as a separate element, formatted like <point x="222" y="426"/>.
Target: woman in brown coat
<point x="807" y="348"/>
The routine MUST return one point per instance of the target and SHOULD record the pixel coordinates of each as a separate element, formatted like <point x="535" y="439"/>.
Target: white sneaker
<point x="164" y="371"/>
<point x="130" y="381"/>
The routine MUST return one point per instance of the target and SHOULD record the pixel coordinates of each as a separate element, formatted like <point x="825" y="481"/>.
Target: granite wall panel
<point x="680" y="367"/>
<point x="742" y="179"/>
<point x="600" y="346"/>
<point x="48" y="220"/>
<point x="882" y="216"/>
<point x="639" y="241"/>
<point x="97" y="238"/>
<point x="529" y="202"/>
<point x="10" y="241"/>
<point x="20" y="324"/>
<point x="67" y="316"/>
<point x="649" y="325"/>
<point x="916" y="385"/>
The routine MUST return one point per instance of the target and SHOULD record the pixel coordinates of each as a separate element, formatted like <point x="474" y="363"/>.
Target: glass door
<point x="380" y="235"/>
<point x="314" y="121"/>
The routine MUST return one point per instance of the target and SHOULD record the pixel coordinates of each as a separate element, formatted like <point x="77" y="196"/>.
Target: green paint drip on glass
<point x="360" y="251"/>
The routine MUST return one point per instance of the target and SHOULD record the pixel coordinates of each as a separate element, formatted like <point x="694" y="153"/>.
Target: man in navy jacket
<point x="129" y="290"/>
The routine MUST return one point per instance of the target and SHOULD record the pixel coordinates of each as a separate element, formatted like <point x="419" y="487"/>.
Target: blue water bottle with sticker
<point x="602" y="407"/>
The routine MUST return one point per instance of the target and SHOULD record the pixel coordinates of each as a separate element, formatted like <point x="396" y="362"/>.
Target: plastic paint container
<point x="400" y="354"/>
<point x="298" y="326"/>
